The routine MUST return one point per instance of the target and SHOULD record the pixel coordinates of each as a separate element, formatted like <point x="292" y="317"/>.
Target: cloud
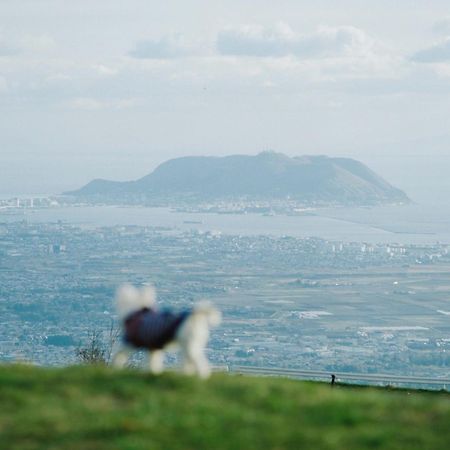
<point x="439" y="52"/>
<point x="104" y="71"/>
<point x="26" y="44"/>
<point x="280" y="40"/>
<point x="3" y="85"/>
<point x="442" y="26"/>
<point x="166" y="47"/>
<point x="58" y="77"/>
<point x="7" y="48"/>
<point x="92" y="104"/>
<point x="37" y="44"/>
<point x="256" y="40"/>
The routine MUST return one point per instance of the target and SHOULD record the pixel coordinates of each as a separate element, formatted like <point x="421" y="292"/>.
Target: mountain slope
<point x="267" y="175"/>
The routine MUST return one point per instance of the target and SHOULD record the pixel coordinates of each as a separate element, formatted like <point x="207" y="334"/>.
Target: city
<point x="287" y="302"/>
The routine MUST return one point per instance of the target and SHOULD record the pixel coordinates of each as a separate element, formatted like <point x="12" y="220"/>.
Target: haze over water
<point x="411" y="224"/>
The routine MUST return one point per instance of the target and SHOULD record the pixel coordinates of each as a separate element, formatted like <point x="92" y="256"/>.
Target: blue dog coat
<point x="151" y="329"/>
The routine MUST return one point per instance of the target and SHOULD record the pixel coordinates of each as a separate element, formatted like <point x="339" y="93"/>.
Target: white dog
<point x="144" y="327"/>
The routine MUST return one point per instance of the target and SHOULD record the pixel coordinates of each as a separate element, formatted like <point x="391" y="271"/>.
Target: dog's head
<point x="212" y="314"/>
<point x="130" y="299"/>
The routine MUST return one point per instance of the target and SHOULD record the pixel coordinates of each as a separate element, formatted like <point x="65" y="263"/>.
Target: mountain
<point x="268" y="175"/>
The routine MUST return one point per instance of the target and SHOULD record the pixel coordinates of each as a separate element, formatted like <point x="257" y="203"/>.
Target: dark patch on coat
<point x="152" y="329"/>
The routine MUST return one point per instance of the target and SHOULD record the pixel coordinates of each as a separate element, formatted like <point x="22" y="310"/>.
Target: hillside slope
<point x="98" y="408"/>
<point x="267" y="175"/>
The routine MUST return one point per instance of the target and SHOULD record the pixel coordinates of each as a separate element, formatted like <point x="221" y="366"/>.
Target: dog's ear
<point x="127" y="291"/>
<point x="127" y="300"/>
<point x="212" y="314"/>
<point x="148" y="296"/>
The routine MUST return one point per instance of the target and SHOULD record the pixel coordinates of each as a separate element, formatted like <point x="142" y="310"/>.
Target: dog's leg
<point x="200" y="362"/>
<point x="203" y="369"/>
<point x="156" y="361"/>
<point x="188" y="363"/>
<point x="121" y="357"/>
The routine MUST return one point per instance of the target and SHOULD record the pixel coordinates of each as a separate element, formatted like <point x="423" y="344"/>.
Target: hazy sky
<point x="111" y="88"/>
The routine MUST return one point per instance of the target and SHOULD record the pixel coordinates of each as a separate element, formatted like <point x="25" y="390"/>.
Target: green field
<point x="98" y="408"/>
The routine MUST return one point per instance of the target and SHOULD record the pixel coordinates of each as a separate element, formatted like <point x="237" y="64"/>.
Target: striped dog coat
<point x="152" y="329"/>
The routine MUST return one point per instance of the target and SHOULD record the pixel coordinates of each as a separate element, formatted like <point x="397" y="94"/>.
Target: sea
<point x="418" y="224"/>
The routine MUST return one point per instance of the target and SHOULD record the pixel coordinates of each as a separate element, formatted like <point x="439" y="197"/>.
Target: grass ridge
<point x="98" y="408"/>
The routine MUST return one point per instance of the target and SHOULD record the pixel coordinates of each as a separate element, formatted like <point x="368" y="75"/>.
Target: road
<point x="343" y="377"/>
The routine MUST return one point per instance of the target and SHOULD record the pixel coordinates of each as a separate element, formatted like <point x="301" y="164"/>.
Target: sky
<point x="110" y="89"/>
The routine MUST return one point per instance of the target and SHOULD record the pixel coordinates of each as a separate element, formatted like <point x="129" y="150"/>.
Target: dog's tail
<point x="206" y="309"/>
<point x="130" y="299"/>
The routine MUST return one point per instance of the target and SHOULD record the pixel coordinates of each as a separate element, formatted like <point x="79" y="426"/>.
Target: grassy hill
<point x="98" y="408"/>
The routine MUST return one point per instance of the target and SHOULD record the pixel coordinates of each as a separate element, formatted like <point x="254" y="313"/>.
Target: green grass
<point x="98" y="408"/>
